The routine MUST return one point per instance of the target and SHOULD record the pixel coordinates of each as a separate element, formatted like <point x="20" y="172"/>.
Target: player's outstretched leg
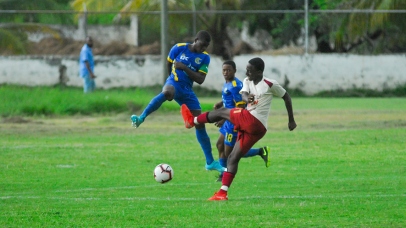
<point x="265" y="155"/>
<point x="136" y="120"/>
<point x="187" y="116"/>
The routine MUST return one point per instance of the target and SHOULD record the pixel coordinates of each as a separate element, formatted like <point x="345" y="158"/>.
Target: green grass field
<point x="344" y="166"/>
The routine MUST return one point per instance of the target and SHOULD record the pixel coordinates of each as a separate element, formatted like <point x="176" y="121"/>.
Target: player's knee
<point x="168" y="95"/>
<point x="219" y="146"/>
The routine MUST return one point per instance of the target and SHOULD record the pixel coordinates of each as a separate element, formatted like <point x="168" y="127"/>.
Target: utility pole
<point x="306" y="27"/>
<point x="85" y="18"/>
<point x="164" y="38"/>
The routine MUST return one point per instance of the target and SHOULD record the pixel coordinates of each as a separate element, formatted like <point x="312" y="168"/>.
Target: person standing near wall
<point x="86" y="66"/>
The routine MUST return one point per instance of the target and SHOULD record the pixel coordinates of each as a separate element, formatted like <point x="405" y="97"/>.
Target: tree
<point x="13" y="38"/>
<point x="11" y="42"/>
<point x="379" y="32"/>
<point x="180" y="24"/>
<point x="334" y="32"/>
<point x="285" y="28"/>
<point x="360" y="32"/>
<point x="35" y="17"/>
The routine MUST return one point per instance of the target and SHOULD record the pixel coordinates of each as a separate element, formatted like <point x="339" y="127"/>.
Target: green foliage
<point x="13" y="38"/>
<point x="344" y="166"/>
<point x="34" y="17"/>
<point x="13" y="42"/>
<point x="361" y="33"/>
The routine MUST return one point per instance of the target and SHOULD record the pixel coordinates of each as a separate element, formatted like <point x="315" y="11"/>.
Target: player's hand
<point x="292" y="125"/>
<point x="218" y="105"/>
<point x="92" y="76"/>
<point x="219" y="123"/>
<point x="179" y="65"/>
<point x="251" y="98"/>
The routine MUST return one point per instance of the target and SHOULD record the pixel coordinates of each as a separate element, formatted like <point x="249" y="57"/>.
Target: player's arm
<point x="237" y="97"/>
<point x="85" y="55"/>
<point x="244" y="95"/>
<point x="247" y="97"/>
<point x="89" y="69"/>
<point x="218" y="105"/>
<point x="288" y="104"/>
<point x="197" y="77"/>
<point x="169" y="67"/>
<point x="170" y="59"/>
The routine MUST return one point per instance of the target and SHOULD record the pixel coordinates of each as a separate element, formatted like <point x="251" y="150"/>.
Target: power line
<point x="201" y="11"/>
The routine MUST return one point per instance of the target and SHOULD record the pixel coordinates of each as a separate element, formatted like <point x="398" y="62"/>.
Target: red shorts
<point x="250" y="129"/>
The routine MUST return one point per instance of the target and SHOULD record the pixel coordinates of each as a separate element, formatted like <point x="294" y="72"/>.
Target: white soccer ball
<point x="163" y="173"/>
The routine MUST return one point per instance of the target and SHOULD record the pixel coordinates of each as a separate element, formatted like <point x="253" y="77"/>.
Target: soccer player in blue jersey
<point x="187" y="63"/>
<point x="231" y="98"/>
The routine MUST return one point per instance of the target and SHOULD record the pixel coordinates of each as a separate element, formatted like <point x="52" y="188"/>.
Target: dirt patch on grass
<point x="15" y="119"/>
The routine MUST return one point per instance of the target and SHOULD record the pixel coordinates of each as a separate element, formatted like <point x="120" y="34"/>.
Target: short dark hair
<point x="258" y="63"/>
<point x="231" y="63"/>
<point x="204" y="36"/>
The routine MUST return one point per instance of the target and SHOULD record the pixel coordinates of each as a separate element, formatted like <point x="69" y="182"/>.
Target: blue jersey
<point x="231" y="98"/>
<point x="198" y="62"/>
<point x="231" y="93"/>
<point x="85" y="55"/>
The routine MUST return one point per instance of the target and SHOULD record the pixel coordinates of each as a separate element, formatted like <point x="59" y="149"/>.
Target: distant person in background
<point x="86" y="66"/>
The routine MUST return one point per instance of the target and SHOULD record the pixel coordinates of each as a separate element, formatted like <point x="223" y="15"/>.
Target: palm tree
<point x="378" y="32"/>
<point x="362" y="24"/>
<point x="180" y="24"/>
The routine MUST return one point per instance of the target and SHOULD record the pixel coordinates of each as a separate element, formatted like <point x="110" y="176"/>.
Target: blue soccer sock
<point x="153" y="105"/>
<point x="223" y="162"/>
<point x="204" y="141"/>
<point x="252" y="152"/>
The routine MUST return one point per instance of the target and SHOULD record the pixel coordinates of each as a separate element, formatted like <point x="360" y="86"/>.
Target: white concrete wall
<point x="312" y="73"/>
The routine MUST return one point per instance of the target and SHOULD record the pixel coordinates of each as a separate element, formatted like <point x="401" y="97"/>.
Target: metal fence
<point x="193" y="13"/>
<point x="164" y="14"/>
